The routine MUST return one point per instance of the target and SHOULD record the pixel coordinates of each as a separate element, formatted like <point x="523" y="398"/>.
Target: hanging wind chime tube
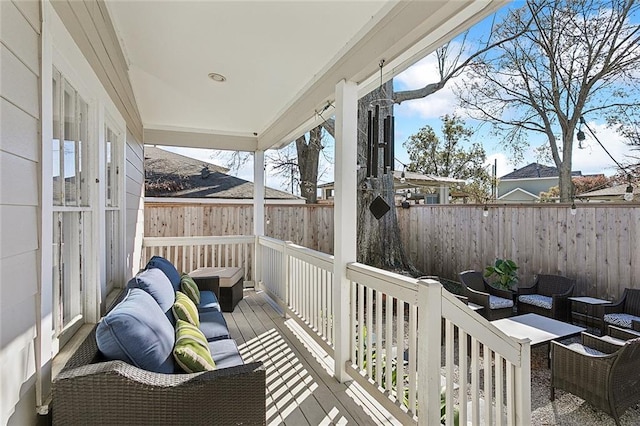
<point x="376" y="149"/>
<point x="369" y="143"/>
<point x="388" y="144"/>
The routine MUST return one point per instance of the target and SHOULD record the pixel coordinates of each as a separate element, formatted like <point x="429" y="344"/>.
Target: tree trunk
<point x="308" y="158"/>
<point x="564" y="169"/>
<point x="379" y="242"/>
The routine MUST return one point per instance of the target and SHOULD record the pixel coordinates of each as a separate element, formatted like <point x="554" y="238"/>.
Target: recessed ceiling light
<point x="217" y="77"/>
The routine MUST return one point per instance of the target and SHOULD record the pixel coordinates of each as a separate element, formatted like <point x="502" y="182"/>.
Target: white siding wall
<point x="19" y="207"/>
<point x="134" y="215"/>
<point x="25" y="292"/>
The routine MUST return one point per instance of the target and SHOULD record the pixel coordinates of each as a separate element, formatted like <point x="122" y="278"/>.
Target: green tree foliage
<point x="450" y="155"/>
<point x="581" y="185"/>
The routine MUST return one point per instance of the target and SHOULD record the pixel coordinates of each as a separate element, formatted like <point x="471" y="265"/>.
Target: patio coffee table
<point x="537" y="328"/>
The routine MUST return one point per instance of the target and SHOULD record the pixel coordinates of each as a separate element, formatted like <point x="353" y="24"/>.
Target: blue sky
<point x="413" y="115"/>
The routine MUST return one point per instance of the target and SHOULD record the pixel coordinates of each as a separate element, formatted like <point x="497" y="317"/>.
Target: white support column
<point x="429" y="313"/>
<point x="258" y="213"/>
<point x="344" y="213"/>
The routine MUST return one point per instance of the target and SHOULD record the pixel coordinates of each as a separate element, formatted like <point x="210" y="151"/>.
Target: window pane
<point x="58" y="195"/>
<point x="73" y="247"/>
<point x="111" y="169"/>
<point x="83" y="153"/>
<point x="70" y="152"/>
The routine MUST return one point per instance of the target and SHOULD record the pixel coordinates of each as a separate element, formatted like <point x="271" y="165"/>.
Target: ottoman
<point x="230" y="283"/>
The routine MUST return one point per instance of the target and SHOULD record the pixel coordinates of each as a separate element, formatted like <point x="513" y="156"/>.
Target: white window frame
<point x="60" y="51"/>
<point x="113" y="268"/>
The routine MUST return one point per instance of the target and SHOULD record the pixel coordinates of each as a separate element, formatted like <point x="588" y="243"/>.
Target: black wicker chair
<point x="496" y="303"/>
<point x="600" y="372"/>
<point x="624" y="313"/>
<point x="548" y="296"/>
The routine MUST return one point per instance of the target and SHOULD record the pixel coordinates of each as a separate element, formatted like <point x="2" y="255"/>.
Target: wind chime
<point x="379" y="206"/>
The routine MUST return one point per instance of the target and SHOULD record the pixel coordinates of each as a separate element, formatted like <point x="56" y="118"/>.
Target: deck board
<point x="300" y="387"/>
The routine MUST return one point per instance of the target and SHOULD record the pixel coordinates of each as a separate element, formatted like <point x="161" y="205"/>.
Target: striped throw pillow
<point x="184" y="309"/>
<point x="189" y="287"/>
<point x="191" y="350"/>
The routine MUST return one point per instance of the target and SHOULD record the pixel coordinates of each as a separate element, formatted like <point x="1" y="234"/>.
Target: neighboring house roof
<point x="614" y="192"/>
<point x="518" y="194"/>
<point x="175" y="175"/>
<point x="536" y="170"/>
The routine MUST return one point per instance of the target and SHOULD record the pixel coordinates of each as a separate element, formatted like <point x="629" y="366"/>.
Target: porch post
<point x="344" y="214"/>
<point x="258" y="213"/>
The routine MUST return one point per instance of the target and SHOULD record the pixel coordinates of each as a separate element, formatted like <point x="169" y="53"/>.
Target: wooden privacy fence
<point x="310" y="226"/>
<point x="597" y="246"/>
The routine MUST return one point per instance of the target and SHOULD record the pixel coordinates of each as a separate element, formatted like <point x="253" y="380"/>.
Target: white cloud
<point x="593" y="159"/>
<point x="504" y="164"/>
<point x="434" y="106"/>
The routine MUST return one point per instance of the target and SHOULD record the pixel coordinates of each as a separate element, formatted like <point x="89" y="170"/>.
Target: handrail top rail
<point x="197" y="240"/>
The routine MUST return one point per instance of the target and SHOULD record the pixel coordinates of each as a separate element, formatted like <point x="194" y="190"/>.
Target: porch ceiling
<point x="282" y="60"/>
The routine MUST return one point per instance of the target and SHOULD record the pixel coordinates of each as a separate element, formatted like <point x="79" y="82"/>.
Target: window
<point x="71" y="205"/>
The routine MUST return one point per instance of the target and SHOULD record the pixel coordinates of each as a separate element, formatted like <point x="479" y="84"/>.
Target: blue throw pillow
<point x="167" y="267"/>
<point x="156" y="283"/>
<point x="138" y="332"/>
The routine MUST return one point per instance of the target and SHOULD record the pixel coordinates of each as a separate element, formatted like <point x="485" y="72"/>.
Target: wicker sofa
<point x="124" y="371"/>
<point x="548" y="296"/>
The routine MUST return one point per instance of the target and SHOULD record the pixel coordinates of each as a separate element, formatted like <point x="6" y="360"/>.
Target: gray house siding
<point x="19" y="207"/>
<point x="534" y="186"/>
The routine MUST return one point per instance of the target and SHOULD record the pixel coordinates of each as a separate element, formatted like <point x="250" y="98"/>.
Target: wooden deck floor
<point x="300" y="387"/>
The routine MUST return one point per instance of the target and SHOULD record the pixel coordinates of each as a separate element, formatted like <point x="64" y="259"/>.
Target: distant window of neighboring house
<point x="431" y="199"/>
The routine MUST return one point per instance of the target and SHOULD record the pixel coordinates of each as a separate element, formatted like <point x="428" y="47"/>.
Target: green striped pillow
<point x="191" y="350"/>
<point x="184" y="309"/>
<point x="189" y="287"/>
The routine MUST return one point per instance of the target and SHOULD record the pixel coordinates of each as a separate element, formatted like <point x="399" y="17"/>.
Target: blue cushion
<point x="225" y="353"/>
<point x="156" y="283"/>
<point x="496" y="302"/>
<point x="138" y="332"/>
<point x="213" y="326"/>
<point x="167" y="267"/>
<point x="208" y="302"/>
<point x="622" y="320"/>
<point x="544" y="302"/>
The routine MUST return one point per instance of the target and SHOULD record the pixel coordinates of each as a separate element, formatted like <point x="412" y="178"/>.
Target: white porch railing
<point x="408" y="338"/>
<point x="189" y="253"/>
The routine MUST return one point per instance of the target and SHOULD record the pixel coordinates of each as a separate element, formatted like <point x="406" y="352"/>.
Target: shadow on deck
<point x="301" y="389"/>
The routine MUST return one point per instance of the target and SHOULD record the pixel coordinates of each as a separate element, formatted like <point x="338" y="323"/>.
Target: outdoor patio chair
<point x="496" y="303"/>
<point x="602" y="373"/>
<point x="548" y="296"/>
<point x="624" y="312"/>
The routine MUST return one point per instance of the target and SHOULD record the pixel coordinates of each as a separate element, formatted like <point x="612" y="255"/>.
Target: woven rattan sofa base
<point x="91" y="391"/>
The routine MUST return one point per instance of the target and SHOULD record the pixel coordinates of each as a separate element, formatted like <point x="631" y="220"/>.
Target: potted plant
<point x="506" y="271"/>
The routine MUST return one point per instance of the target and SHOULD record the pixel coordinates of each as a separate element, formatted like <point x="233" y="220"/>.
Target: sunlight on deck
<point x="300" y="383"/>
